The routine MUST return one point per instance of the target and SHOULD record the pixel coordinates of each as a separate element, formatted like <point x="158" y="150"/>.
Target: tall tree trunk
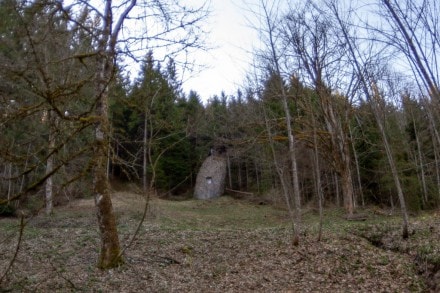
<point x="109" y="156"/>
<point x="437" y="169"/>
<point x="247" y="174"/>
<point x="9" y="176"/>
<point x="317" y="174"/>
<point x="391" y="161"/>
<point x="288" y="121"/>
<point x="229" y="171"/>
<point x="421" y="168"/>
<point x="23" y="177"/>
<point x="274" y="59"/>
<point x="318" y="189"/>
<point x="110" y="255"/>
<point x="339" y="140"/>
<point x="411" y="42"/>
<point x="347" y="187"/>
<point x="372" y="94"/>
<point x="10" y="181"/>
<point x="435" y="142"/>
<point x="145" y="155"/>
<point x="49" y="165"/>
<point x="358" y="172"/>
<point x="336" y="183"/>
<point x="257" y="175"/>
<point x="435" y="145"/>
<point x="239" y="176"/>
<point x="110" y="248"/>
<point x="282" y="179"/>
<point x="294" y="170"/>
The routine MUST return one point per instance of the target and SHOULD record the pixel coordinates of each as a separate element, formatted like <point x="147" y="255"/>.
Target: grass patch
<point x="221" y="213"/>
<point x="216" y="245"/>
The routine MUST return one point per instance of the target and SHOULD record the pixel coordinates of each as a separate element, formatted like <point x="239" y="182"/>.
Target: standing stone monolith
<point x="210" y="182"/>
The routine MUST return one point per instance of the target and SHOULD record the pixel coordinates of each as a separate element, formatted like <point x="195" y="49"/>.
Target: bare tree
<point x="51" y="121"/>
<point x="414" y="33"/>
<point x="272" y="59"/>
<point x="435" y="137"/>
<point x="70" y="58"/>
<point x="358" y="172"/>
<point x="285" y="183"/>
<point x="414" y="142"/>
<point x="114" y="18"/>
<point x="368" y="81"/>
<point x="317" y="57"/>
<point x="316" y="165"/>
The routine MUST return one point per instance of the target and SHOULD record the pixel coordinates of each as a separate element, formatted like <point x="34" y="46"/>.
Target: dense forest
<point x="337" y="111"/>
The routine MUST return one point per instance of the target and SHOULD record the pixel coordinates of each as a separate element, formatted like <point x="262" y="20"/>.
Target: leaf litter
<point x="177" y="252"/>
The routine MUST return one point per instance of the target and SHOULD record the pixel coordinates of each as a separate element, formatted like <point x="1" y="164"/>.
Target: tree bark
<point x="145" y="154"/>
<point x="358" y="172"/>
<point x="372" y="94"/>
<point x="395" y="174"/>
<point x="52" y="127"/>
<point x="437" y="169"/>
<point x="347" y="187"/>
<point x="317" y="174"/>
<point x="312" y="46"/>
<point x="282" y="179"/>
<point x="435" y="142"/>
<point x="110" y="255"/>
<point x="229" y="171"/>
<point x="420" y="161"/>
<point x="257" y="175"/>
<point x="415" y="55"/>
<point x="336" y="183"/>
<point x="10" y="181"/>
<point x="338" y="134"/>
<point x="110" y="248"/>
<point x="288" y="122"/>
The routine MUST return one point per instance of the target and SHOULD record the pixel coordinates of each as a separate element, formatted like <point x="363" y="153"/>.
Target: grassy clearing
<point x="222" y="213"/>
<point x="222" y="245"/>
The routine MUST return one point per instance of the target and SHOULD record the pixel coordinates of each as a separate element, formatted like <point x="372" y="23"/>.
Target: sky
<point x="224" y="67"/>
<point x="228" y="62"/>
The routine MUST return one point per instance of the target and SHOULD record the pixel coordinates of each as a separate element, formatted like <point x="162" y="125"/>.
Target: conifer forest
<point x="330" y="149"/>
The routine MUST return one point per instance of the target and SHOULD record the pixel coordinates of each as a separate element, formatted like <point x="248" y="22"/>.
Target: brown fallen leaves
<point x="60" y="256"/>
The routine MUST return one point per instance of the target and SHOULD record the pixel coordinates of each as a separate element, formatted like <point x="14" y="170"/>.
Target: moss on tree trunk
<point x="110" y="249"/>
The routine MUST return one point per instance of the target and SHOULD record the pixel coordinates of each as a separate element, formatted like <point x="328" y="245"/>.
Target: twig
<point x="237" y="191"/>
<point x="138" y="228"/>
<point x="72" y="285"/>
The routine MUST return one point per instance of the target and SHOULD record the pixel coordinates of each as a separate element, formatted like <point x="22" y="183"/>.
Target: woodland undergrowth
<point x="223" y="245"/>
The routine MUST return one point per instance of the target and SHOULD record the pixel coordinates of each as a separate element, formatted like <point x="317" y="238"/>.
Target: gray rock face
<point x="210" y="182"/>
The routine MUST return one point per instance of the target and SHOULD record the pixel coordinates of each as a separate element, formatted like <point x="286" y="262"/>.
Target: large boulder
<point x="210" y="182"/>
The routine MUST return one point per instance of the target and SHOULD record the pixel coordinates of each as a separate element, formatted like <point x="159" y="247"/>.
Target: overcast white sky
<point x="232" y="42"/>
<point x="228" y="62"/>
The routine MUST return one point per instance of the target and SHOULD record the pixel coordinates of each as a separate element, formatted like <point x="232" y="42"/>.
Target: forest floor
<point x="222" y="245"/>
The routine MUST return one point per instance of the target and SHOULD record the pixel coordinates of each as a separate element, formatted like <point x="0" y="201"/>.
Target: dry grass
<point x="222" y="245"/>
